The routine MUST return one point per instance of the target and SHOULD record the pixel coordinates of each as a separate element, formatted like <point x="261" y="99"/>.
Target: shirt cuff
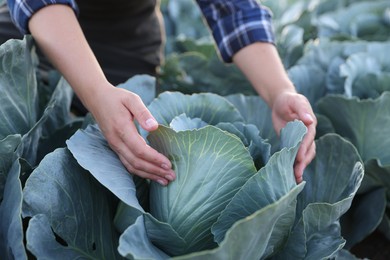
<point x="237" y="24"/>
<point x="22" y="12"/>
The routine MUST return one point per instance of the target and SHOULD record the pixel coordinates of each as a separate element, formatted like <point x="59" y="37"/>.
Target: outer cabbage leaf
<point x="309" y="81"/>
<point x="134" y="243"/>
<point x="18" y="87"/>
<point x="269" y="185"/>
<point x="20" y="99"/>
<point x="334" y="82"/>
<point x="142" y="85"/>
<point x="329" y="56"/>
<point x="362" y="70"/>
<point x="7" y="150"/>
<point x="376" y="49"/>
<point x="55" y="116"/>
<point x="11" y="227"/>
<point x="42" y="241"/>
<point x="93" y="153"/>
<point x="324" y="51"/>
<point x="378" y="82"/>
<point x="360" y="20"/>
<point x="380" y="174"/>
<point x="290" y="44"/>
<point x="363" y="122"/>
<point x="324" y="126"/>
<point x="193" y="72"/>
<point x="333" y="179"/>
<point x="246" y="239"/>
<point x="204" y="46"/>
<point x="84" y="220"/>
<point x="364" y="216"/>
<point x="56" y="139"/>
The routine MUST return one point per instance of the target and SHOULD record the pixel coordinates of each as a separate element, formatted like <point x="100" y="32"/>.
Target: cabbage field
<point x="64" y="194"/>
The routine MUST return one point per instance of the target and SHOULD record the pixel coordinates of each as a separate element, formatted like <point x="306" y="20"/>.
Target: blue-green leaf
<point x="364" y="216"/>
<point x="211" y="166"/>
<point x="8" y="154"/>
<point x="362" y="68"/>
<point x="135" y="244"/>
<point x="18" y="88"/>
<point x="142" y="85"/>
<point x="183" y="122"/>
<point x="309" y="81"/>
<point x="66" y="199"/>
<point x="92" y="152"/>
<point x="361" y="20"/>
<point x="248" y="238"/>
<point x="55" y="116"/>
<point x="259" y="148"/>
<point x="210" y="108"/>
<point x="255" y="111"/>
<point x="11" y="227"/>
<point x="360" y="122"/>
<point x="269" y="185"/>
<point x="333" y="179"/>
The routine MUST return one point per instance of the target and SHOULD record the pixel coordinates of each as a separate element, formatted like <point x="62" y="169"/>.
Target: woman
<point x="96" y="44"/>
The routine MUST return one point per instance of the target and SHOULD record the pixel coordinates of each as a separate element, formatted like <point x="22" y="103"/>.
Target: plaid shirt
<point x="234" y="23"/>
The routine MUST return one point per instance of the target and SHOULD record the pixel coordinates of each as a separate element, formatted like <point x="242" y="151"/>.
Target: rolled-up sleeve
<point x="22" y="10"/>
<point x="236" y="24"/>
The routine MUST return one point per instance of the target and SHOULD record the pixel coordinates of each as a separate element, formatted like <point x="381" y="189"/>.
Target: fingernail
<point x="151" y="122"/>
<point x="309" y="117"/>
<point x="169" y="177"/>
<point x="162" y="182"/>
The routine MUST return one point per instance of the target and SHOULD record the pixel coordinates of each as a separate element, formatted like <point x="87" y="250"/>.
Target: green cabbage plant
<point x="235" y="196"/>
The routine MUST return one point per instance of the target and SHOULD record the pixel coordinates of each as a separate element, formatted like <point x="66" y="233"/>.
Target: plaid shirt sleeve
<point x="22" y="10"/>
<point x="236" y="24"/>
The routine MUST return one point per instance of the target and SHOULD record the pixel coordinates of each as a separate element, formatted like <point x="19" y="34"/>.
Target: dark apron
<point x="125" y="35"/>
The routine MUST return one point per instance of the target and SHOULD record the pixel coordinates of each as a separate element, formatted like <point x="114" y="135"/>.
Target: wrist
<point x="261" y="64"/>
<point x="277" y="90"/>
<point x="93" y="94"/>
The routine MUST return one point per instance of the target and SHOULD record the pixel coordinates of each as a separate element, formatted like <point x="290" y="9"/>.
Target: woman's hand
<point x="261" y="64"/>
<point x="289" y="106"/>
<point x="115" y="112"/>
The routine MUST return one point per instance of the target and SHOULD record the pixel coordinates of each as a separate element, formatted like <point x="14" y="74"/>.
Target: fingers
<point x="306" y="152"/>
<point x="300" y="165"/>
<point x="141" y="159"/>
<point x="306" y="145"/>
<point x="137" y="168"/>
<point x="116" y="121"/>
<point x="141" y="113"/>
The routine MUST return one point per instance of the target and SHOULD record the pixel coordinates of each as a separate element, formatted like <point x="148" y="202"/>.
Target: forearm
<point x="56" y="30"/>
<point x="261" y="64"/>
